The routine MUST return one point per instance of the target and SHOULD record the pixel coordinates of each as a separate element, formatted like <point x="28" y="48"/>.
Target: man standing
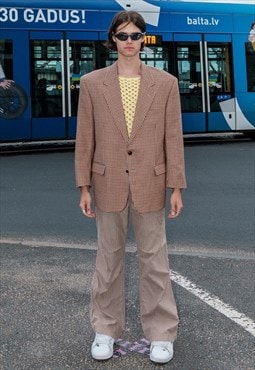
<point x="129" y="148"/>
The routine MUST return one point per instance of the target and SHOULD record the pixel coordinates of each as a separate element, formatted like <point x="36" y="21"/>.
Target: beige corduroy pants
<point x="158" y="310"/>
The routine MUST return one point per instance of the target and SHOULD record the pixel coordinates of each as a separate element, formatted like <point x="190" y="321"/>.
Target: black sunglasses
<point x="135" y="36"/>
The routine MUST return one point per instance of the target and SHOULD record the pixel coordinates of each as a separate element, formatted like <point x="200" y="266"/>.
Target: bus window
<point x="250" y="66"/>
<point x="219" y="73"/>
<point x="81" y="61"/>
<point x="110" y="56"/>
<point x="46" y="78"/>
<point x="56" y="71"/>
<point x="156" y="56"/>
<point x="189" y="76"/>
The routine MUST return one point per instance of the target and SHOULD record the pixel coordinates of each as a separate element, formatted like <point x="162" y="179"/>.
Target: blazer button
<point x="129" y="152"/>
<point x="127" y="171"/>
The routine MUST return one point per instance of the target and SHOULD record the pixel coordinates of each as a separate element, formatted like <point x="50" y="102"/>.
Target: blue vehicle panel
<point x="46" y="46"/>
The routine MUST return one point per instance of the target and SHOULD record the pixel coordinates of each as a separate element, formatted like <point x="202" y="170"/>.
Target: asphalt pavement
<point x="48" y="253"/>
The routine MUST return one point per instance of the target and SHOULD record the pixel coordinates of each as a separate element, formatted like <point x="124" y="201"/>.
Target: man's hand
<point x="85" y="202"/>
<point x="176" y="204"/>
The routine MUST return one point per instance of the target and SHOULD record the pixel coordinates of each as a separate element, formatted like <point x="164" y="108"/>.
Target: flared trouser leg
<point x="107" y="309"/>
<point x="159" y="315"/>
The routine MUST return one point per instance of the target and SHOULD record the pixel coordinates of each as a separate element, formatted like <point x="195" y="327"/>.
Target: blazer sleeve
<point x="174" y="140"/>
<point x="84" y="145"/>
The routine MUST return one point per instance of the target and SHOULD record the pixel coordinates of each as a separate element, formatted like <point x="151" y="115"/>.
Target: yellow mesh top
<point x="129" y="88"/>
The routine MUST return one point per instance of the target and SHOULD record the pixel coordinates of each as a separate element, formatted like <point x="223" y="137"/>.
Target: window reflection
<point x="219" y="74"/>
<point x="49" y="75"/>
<point x="46" y="78"/>
<point x="217" y="68"/>
<point x="189" y="76"/>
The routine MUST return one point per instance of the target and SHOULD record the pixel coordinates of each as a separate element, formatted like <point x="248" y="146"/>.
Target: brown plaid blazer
<point x="147" y="162"/>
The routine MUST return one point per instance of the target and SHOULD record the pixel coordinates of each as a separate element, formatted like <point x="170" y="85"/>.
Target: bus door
<point x="58" y="60"/>
<point x="204" y="71"/>
<point x="81" y="59"/>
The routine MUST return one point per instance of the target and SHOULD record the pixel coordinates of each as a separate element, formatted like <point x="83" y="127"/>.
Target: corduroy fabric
<point x="158" y="310"/>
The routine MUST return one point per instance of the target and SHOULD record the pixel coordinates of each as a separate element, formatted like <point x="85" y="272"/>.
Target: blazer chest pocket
<point x="98" y="168"/>
<point x="160" y="169"/>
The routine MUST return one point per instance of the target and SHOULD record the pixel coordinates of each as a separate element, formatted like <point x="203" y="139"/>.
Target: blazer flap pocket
<point x="160" y="168"/>
<point x="98" y="168"/>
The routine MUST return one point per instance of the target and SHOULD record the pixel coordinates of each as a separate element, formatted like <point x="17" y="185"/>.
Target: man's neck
<point x="129" y="67"/>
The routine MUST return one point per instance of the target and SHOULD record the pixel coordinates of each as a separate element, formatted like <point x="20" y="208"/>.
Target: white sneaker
<point x="161" y="352"/>
<point x="102" y="347"/>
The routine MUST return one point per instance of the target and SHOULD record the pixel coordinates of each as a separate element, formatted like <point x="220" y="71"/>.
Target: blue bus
<point x="47" y="45"/>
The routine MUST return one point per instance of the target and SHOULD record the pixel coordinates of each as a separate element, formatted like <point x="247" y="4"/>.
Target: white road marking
<point x="215" y="302"/>
<point x="182" y="250"/>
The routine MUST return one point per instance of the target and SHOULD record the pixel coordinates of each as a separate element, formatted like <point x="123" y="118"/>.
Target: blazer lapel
<point x="146" y="95"/>
<point x="113" y="98"/>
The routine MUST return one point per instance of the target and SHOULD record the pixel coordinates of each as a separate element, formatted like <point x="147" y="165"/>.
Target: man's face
<point x="128" y="47"/>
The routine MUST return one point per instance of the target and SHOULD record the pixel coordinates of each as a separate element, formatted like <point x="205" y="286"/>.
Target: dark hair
<point x="124" y="17"/>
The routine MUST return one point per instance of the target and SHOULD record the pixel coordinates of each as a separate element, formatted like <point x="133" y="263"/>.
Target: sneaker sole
<point x="101" y="358"/>
<point x="158" y="361"/>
